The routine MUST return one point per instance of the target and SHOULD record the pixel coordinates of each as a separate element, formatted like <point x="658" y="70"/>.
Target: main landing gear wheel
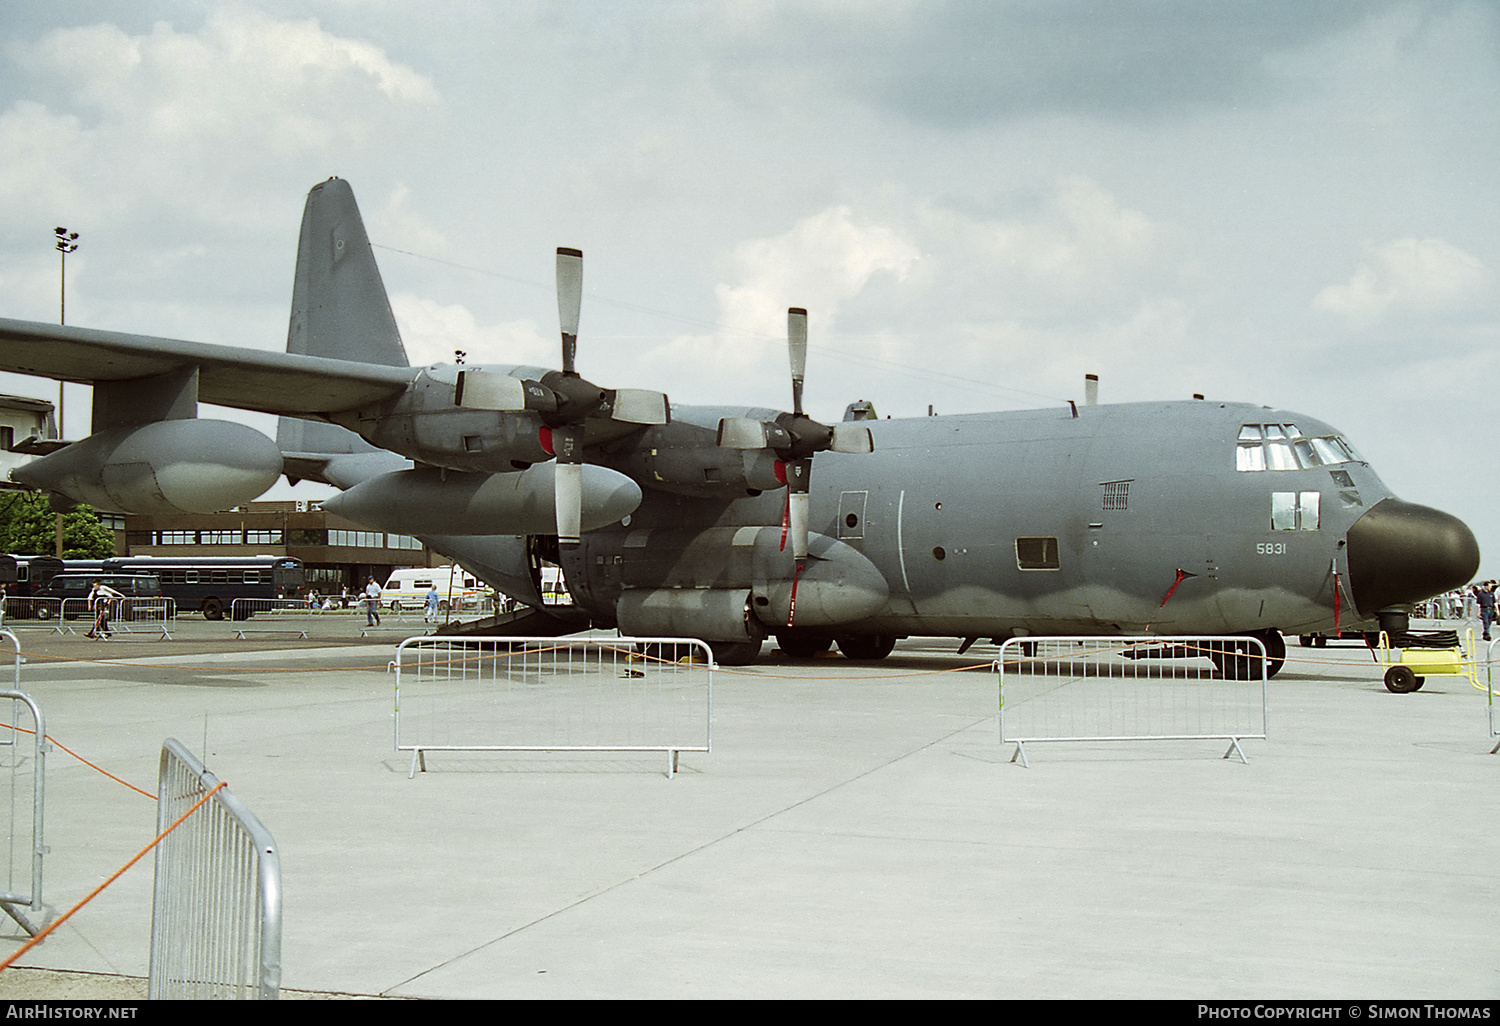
<point x="736" y="653"/>
<point x="741" y="653"/>
<point x="1402" y="680"/>
<point x="1240" y="660"/>
<point x="1275" y="651"/>
<point x="803" y="646"/>
<point x="866" y="646"/>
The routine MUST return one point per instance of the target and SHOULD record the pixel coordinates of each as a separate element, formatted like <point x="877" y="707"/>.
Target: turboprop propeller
<point x="578" y="400"/>
<point x="795" y="438"/>
<point x="563" y="399"/>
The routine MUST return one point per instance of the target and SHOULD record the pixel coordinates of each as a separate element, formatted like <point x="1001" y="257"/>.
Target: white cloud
<point x="432" y="331"/>
<point x="172" y="111"/>
<point x="820" y="262"/>
<point x="1421" y="274"/>
<point x="1075" y="280"/>
<point x="400" y="226"/>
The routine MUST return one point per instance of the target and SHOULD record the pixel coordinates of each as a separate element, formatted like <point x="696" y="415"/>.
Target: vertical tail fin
<point x="339" y="310"/>
<point x="339" y="305"/>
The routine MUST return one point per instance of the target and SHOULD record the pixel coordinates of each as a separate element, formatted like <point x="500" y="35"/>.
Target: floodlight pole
<point x="67" y="242"/>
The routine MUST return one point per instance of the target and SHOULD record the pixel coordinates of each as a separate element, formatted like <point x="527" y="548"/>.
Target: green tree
<point x="28" y="528"/>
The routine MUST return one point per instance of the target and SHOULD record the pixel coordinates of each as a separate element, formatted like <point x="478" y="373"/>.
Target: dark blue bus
<point x="211" y="583"/>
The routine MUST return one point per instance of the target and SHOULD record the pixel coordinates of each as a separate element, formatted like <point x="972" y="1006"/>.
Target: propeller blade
<point x="569" y="301"/>
<point x="796" y="339"/>
<point x="568" y="482"/>
<point x="567" y="444"/>
<point x="798" y="478"/>
<point x="640" y="406"/>
<point x="851" y="438"/>
<point x="797" y="516"/>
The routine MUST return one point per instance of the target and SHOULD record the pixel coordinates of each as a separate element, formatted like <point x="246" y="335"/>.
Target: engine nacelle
<point x="711" y="614"/>
<point x="683" y="458"/>
<point x="698" y="585"/>
<point x="169" y="466"/>
<point x="429" y="501"/>
<point x="423" y="424"/>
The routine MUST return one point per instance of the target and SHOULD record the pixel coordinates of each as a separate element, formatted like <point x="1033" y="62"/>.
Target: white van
<point x="407" y="589"/>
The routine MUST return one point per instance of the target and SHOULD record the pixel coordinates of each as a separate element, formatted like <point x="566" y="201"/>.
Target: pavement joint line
<point x="681" y="856"/>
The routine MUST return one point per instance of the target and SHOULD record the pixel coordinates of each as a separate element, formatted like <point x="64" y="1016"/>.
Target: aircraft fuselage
<point x="1123" y="518"/>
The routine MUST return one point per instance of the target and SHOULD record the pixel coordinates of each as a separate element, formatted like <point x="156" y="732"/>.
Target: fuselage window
<point x="1348" y="493"/>
<point x="1037" y="554"/>
<point x="1295" y="511"/>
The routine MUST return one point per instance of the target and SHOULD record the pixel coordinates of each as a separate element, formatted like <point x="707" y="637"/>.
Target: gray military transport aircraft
<point x="729" y="524"/>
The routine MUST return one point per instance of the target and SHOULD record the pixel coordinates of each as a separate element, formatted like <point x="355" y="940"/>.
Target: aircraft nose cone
<point x="1401" y="552"/>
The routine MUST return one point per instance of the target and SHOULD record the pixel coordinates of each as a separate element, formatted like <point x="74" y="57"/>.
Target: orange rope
<point x="97" y="769"/>
<point x="117" y="874"/>
<point x="215" y="669"/>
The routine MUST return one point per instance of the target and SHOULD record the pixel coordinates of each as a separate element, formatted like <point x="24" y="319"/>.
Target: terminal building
<point x="335" y="553"/>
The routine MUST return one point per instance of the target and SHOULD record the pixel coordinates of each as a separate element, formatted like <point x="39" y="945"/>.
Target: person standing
<point x="431" y="613"/>
<point x="1484" y="596"/>
<point x="372" y="603"/>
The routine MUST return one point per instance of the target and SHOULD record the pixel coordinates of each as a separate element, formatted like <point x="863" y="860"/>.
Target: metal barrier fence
<point x="245" y="608"/>
<point x="216" y="913"/>
<point x="155" y="613"/>
<point x="57" y="613"/>
<point x="1489" y="690"/>
<point x="274" y="615"/>
<point x="1132" y="689"/>
<point x="407" y="609"/>
<point x="553" y="695"/>
<point x="22" y="607"/>
<point x="23" y="905"/>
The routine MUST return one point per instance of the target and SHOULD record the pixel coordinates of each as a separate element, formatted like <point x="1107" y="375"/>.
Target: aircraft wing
<point x="246" y="379"/>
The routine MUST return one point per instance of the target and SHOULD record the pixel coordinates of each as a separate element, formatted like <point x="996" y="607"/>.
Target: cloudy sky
<point x="1288" y="202"/>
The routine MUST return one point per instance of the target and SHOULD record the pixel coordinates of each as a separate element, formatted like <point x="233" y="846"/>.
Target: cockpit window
<point x="1283" y="447"/>
<point x="1279" y="456"/>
